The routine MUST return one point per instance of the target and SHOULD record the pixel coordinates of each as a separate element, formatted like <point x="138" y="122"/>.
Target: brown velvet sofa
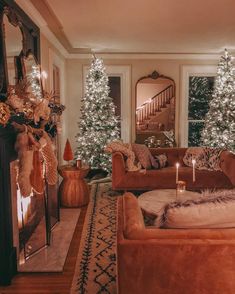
<point x="171" y="261"/>
<point x="165" y="178"/>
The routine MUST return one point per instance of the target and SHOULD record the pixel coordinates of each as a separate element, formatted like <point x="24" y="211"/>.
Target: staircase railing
<point x="154" y="104"/>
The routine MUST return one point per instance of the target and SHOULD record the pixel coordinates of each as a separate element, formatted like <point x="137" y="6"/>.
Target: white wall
<point x="49" y="56"/>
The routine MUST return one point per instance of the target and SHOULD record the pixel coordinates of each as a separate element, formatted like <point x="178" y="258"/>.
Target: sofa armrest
<point x="118" y="168"/>
<point x="227" y="164"/>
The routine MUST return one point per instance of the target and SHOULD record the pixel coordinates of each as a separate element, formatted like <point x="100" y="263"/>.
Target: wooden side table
<point x="73" y="190"/>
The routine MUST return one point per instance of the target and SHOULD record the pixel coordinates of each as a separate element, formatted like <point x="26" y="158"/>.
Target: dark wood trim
<point x="30" y="36"/>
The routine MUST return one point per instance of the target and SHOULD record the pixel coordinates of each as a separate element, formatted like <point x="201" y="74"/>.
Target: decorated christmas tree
<point x="98" y="124"/>
<point x="219" y="129"/>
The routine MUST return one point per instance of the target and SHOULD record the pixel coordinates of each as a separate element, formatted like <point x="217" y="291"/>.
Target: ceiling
<point x="137" y="26"/>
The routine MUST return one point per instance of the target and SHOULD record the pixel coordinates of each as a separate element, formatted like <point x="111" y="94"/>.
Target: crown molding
<point x="36" y="17"/>
<point x="52" y="29"/>
<point x="169" y="56"/>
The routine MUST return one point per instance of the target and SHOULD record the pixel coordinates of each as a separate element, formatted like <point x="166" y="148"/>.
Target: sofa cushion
<point x="211" y="210"/>
<point x="133" y="217"/>
<point x="143" y="155"/>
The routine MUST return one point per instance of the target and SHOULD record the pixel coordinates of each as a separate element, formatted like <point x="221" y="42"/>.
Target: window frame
<point x="124" y="72"/>
<point x="188" y="71"/>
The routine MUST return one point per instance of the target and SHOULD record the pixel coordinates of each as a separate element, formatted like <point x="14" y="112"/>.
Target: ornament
<point x="68" y="153"/>
<point x="4" y="113"/>
<point x="15" y="102"/>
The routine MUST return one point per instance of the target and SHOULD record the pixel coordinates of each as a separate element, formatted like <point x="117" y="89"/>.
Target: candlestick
<point x="78" y="163"/>
<point x="194" y="176"/>
<point x="177" y="172"/>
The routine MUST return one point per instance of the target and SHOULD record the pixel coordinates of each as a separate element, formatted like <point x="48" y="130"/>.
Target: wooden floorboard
<point x="44" y="283"/>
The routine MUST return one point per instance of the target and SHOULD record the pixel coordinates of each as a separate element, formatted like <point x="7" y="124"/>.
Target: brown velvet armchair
<point x="172" y="261"/>
<point x="165" y="178"/>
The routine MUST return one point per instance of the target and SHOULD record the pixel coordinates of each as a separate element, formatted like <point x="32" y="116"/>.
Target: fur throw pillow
<point x="211" y="210"/>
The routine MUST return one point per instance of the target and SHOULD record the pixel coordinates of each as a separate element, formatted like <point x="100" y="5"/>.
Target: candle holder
<point x="78" y="163"/>
<point x="181" y="186"/>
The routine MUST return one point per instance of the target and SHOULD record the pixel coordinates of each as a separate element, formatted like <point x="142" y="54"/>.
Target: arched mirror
<point x="13" y="39"/>
<point x="155" y="110"/>
<point x="32" y="74"/>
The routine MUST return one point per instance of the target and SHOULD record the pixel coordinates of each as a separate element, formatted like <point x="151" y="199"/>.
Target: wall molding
<point x="53" y="31"/>
<point x="123" y="71"/>
<point x="185" y="73"/>
<point x="36" y="17"/>
<point x="55" y="59"/>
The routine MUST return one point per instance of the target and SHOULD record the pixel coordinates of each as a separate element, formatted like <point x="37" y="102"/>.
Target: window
<point x="199" y="96"/>
<point x="197" y="86"/>
<point x="119" y="81"/>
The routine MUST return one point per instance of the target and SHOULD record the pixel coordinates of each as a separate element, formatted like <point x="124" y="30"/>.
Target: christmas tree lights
<point x="219" y="129"/>
<point x="98" y="124"/>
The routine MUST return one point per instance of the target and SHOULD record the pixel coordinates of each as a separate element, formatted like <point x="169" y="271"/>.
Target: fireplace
<point x="33" y="217"/>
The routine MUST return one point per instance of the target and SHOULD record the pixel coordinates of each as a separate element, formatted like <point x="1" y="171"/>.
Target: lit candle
<point x="177" y="172"/>
<point x="194" y="176"/>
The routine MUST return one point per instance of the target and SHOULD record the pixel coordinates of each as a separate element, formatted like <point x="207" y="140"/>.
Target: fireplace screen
<point x="31" y="223"/>
<point x="35" y="216"/>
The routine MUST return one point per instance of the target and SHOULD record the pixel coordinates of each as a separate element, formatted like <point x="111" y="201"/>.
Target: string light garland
<point x="219" y="129"/>
<point x="98" y="123"/>
<point x="34" y="79"/>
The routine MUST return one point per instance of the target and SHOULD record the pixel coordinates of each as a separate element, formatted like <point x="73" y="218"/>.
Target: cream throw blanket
<point x="126" y="150"/>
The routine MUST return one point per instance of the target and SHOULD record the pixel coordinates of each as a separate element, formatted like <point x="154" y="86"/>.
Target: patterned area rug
<point x="95" y="270"/>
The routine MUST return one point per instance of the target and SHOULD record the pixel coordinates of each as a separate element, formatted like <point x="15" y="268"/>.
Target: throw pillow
<point x="199" y="155"/>
<point x="160" y="161"/>
<point x="212" y="210"/>
<point x="207" y="158"/>
<point x="143" y="155"/>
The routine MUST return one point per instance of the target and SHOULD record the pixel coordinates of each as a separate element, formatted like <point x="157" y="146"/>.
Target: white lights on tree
<point x="219" y="129"/>
<point x="98" y="124"/>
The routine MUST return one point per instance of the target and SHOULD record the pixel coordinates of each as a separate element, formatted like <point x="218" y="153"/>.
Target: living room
<point x="117" y="141"/>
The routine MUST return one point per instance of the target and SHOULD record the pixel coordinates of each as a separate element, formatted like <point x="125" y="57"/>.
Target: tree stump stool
<point x="73" y="190"/>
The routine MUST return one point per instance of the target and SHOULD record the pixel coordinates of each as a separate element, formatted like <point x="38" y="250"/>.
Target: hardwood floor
<point x="55" y="283"/>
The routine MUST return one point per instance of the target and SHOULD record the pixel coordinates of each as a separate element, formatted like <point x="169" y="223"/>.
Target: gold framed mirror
<point x="32" y="75"/>
<point x="13" y="41"/>
<point x="155" y="110"/>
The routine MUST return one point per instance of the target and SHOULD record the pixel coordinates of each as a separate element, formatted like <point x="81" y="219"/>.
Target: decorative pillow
<point x="207" y="158"/>
<point x="212" y="210"/>
<point x="199" y="155"/>
<point x="143" y="155"/>
<point x="160" y="161"/>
